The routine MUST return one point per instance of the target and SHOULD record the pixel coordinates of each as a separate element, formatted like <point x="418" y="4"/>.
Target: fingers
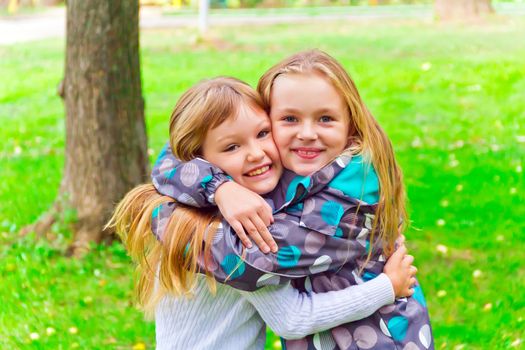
<point x="265" y="234"/>
<point x="413" y="270"/>
<point x="409" y="289"/>
<point x="399" y="253"/>
<point x="408" y="259"/>
<point x="265" y="213"/>
<point x="412" y="282"/>
<point x="239" y="230"/>
<point x="253" y="232"/>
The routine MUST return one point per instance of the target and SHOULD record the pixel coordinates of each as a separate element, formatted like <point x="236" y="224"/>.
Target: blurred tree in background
<point x="462" y="9"/>
<point x="106" y="145"/>
<point x="13" y="5"/>
<point x="444" y="8"/>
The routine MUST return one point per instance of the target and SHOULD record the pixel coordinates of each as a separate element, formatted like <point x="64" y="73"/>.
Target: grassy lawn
<point x="450" y="97"/>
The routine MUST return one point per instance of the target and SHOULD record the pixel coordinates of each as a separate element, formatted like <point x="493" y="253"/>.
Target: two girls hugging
<point x="301" y="167"/>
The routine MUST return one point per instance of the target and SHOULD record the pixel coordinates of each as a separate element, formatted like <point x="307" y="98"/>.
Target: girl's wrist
<point x="212" y="185"/>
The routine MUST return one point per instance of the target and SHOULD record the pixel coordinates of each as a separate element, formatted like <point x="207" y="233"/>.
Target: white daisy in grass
<point x="426" y="66"/>
<point x="441" y="248"/>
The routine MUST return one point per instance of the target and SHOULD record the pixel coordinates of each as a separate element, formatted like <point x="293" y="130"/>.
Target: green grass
<point x="450" y="97"/>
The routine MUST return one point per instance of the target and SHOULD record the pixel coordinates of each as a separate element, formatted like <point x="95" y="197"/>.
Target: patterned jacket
<point x="322" y="230"/>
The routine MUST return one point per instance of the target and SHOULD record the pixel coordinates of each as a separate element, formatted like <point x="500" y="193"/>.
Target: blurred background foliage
<point x="14" y="6"/>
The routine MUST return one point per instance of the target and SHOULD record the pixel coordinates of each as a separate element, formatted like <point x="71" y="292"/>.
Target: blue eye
<point x="326" y="119"/>
<point x="290" y="119"/>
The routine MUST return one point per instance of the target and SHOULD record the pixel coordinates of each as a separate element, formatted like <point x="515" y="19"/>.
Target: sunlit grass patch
<point x="450" y="98"/>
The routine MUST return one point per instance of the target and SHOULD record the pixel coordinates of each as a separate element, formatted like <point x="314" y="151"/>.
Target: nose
<point x="307" y="132"/>
<point x="255" y="152"/>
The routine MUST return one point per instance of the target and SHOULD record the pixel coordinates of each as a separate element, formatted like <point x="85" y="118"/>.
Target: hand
<point x="400" y="240"/>
<point x="246" y="212"/>
<point x="401" y="272"/>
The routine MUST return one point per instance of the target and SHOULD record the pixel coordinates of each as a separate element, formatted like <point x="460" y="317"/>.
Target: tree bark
<point x="462" y="9"/>
<point x="106" y="143"/>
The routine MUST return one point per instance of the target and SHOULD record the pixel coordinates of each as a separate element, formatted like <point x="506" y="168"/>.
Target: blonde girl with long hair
<point x="342" y="181"/>
<point x="222" y="121"/>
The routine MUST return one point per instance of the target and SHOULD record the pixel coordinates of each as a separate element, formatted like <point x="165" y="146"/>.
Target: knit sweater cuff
<point x="381" y="290"/>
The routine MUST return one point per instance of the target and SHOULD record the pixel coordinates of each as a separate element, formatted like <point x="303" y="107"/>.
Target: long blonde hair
<point x="367" y="137"/>
<point x="188" y="232"/>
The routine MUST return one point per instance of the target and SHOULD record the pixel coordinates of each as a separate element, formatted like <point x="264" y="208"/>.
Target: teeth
<point x="307" y="153"/>
<point x="259" y="171"/>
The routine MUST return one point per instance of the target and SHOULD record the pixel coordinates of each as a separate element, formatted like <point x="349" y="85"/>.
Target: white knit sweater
<point x="234" y="319"/>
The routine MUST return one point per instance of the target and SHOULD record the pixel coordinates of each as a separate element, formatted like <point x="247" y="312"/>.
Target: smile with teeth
<point x="259" y="171"/>
<point x="307" y="153"/>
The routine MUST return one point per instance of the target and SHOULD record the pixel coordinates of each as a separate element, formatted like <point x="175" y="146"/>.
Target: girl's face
<point x="310" y="121"/>
<point x="243" y="147"/>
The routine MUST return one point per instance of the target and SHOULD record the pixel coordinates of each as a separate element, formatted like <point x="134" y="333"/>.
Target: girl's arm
<point x="292" y="314"/>
<point x="251" y="269"/>
<point x="302" y="252"/>
<point x="193" y="183"/>
<point x="200" y="184"/>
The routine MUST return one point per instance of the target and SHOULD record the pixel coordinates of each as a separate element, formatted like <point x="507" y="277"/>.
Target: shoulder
<point x="358" y="180"/>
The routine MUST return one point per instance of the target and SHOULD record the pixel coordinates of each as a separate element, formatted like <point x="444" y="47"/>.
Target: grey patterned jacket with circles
<point x="322" y="230"/>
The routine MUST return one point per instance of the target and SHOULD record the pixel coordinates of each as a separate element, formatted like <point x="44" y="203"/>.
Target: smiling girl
<point x="222" y="121"/>
<point x="343" y="187"/>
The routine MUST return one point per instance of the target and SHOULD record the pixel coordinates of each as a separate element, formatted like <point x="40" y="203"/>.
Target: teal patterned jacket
<point x="322" y="227"/>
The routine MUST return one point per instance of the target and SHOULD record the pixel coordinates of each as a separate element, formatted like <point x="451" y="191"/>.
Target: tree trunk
<point x="462" y="9"/>
<point x="106" y="144"/>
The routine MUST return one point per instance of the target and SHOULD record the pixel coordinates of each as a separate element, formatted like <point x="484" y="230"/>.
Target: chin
<point x="265" y="188"/>
<point x="259" y="190"/>
<point x="304" y="171"/>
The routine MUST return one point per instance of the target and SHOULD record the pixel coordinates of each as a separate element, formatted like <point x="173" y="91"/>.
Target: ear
<point x="352" y="133"/>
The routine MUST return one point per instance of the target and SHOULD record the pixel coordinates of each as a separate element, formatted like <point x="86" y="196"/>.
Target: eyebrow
<point x="289" y="110"/>
<point x="326" y="110"/>
<point x="226" y="137"/>
<point x="298" y="111"/>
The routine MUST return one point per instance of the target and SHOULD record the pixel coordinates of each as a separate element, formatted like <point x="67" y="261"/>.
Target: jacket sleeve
<point x="192" y="183"/>
<point x="302" y="252"/>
